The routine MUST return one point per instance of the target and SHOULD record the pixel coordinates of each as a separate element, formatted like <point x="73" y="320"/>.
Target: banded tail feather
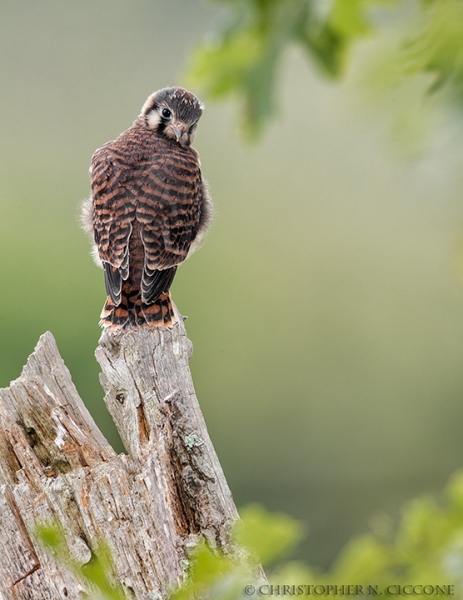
<point x="133" y="313"/>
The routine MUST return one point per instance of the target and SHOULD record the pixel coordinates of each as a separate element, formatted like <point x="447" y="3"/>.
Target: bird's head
<point x="174" y="113"/>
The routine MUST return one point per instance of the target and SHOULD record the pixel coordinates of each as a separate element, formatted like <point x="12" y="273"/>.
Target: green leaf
<point x="50" y="535"/>
<point x="244" y="60"/>
<point x="363" y="561"/>
<point x="327" y="47"/>
<point x="222" y="68"/>
<point x="267" y="536"/>
<point x="96" y="574"/>
<point x="206" y="568"/>
<point x="349" y="18"/>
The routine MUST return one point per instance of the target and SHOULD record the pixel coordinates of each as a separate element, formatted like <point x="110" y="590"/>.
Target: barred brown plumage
<point x="149" y="209"/>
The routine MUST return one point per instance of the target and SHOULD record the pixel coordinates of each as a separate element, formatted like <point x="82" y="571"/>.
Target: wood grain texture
<point x="55" y="465"/>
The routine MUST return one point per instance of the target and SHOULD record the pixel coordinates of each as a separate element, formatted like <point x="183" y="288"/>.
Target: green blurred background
<point x="326" y="305"/>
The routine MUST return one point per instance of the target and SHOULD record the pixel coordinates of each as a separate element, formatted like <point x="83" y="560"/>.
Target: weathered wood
<point x="55" y="465"/>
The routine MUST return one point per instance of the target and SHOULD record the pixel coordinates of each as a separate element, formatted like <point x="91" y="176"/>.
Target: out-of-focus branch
<point x="243" y="59"/>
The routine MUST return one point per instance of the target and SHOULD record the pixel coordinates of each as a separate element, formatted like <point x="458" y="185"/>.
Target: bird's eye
<point x="166" y="113"/>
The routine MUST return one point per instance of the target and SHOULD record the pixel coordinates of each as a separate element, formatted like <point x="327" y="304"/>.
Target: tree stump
<point x="149" y="506"/>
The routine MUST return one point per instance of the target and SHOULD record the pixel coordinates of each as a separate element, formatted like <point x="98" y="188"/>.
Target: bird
<point x="148" y="211"/>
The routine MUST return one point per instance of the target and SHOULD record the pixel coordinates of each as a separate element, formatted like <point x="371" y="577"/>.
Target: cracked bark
<point x="149" y="505"/>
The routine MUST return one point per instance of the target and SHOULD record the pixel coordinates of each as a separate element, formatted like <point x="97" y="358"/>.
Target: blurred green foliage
<point x="437" y="45"/>
<point x="97" y="574"/>
<point x="424" y="548"/>
<point x="266" y="536"/>
<point x="260" y="537"/>
<point x="242" y="60"/>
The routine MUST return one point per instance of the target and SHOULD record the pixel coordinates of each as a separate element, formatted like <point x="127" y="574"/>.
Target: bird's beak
<point x="178" y="130"/>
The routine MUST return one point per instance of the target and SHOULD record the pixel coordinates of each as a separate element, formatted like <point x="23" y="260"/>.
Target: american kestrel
<point x="149" y="209"/>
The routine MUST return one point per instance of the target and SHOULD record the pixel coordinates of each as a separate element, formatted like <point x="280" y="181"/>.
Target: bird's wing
<point x="169" y="210"/>
<point x="113" y="213"/>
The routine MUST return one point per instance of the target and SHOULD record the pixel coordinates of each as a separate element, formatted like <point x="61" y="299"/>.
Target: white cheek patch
<point x="153" y="119"/>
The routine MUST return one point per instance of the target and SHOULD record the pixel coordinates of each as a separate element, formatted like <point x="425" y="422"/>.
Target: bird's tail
<point x="133" y="313"/>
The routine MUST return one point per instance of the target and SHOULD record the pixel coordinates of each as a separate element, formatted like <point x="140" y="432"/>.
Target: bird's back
<point x="147" y="209"/>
